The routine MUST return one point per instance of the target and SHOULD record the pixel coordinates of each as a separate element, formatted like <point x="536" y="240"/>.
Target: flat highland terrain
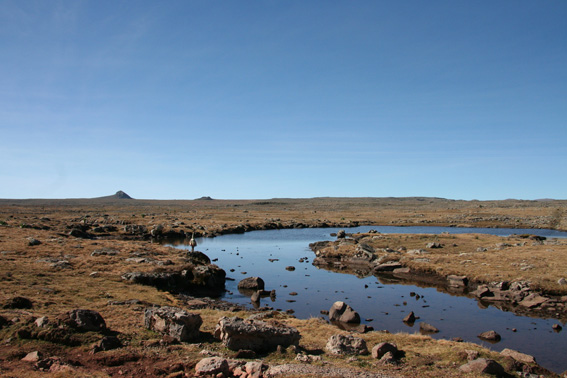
<point x="57" y="256"/>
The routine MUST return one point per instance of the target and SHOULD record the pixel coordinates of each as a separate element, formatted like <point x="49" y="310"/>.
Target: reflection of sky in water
<point x="385" y="304"/>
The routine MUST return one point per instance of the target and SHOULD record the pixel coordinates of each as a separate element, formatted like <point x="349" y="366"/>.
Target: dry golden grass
<point x="55" y="291"/>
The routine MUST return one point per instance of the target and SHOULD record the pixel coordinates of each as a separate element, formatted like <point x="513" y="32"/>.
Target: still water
<point x="380" y="305"/>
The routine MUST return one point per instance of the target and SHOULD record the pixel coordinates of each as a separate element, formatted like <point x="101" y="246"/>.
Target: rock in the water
<point x="490" y="336"/>
<point x="251" y="283"/>
<point x="342" y="312"/>
<point x="483" y="365"/>
<point x="381" y="349"/>
<point x="427" y="328"/>
<point x="255" y="335"/>
<point x="212" y="366"/>
<point x="83" y="320"/>
<point x="346" y="345"/>
<point x="518" y="356"/>
<point x="410" y="318"/>
<point x="341" y="234"/>
<point x="174" y="322"/>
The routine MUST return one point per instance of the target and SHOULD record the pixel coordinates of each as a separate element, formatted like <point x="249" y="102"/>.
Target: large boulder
<point x="174" y="322"/>
<point x="251" y="283"/>
<point x="346" y="344"/>
<point x="83" y="320"/>
<point x="341" y="312"/>
<point x="255" y="335"/>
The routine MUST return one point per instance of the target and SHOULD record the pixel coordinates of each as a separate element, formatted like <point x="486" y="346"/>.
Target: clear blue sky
<point x="261" y="99"/>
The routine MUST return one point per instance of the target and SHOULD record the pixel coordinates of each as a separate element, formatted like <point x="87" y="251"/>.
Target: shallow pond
<point x="380" y="304"/>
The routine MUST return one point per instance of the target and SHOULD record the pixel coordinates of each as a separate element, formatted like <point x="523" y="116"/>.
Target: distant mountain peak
<point x="205" y="198"/>
<point x="122" y="195"/>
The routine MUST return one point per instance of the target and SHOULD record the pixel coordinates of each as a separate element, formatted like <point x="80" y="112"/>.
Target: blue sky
<point x="263" y="99"/>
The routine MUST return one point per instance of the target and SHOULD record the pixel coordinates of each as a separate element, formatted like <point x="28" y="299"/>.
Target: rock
<point x="562" y="281"/>
<point x="199" y="279"/>
<point x="32" y="241"/>
<point x="410" y="318"/>
<point x="346" y="345"/>
<point x="457" y="281"/>
<point x="104" y="252"/>
<point x="109" y="343"/>
<point x="434" y="245"/>
<point x="342" y="312"/>
<point x="341" y="234"/>
<point x="173" y="321"/>
<point x="256" y="296"/>
<point x="3" y="322"/>
<point x="33" y="356"/>
<point x="483" y="365"/>
<point x="381" y="349"/>
<point x="254" y="368"/>
<point x="197" y="258"/>
<point x="490" y="336"/>
<point x="533" y="300"/>
<point x="42" y="322"/>
<point x="427" y="328"/>
<point x="251" y="283"/>
<point x="83" y="320"/>
<point x="212" y="366"/>
<point x="556" y="327"/>
<point x="471" y="354"/>
<point x="255" y="335"/>
<point x="518" y="356"/>
<point x="18" y="302"/>
<point x="290" y="268"/>
<point x="389" y="358"/>
<point x="389" y="266"/>
<point x="157" y="230"/>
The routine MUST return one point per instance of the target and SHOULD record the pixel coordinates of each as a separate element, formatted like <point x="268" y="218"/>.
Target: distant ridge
<point x="204" y="198"/>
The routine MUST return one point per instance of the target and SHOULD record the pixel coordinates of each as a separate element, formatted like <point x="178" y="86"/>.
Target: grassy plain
<point x="94" y="282"/>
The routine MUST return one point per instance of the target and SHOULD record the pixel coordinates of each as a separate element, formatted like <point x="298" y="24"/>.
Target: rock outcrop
<point x="82" y="320"/>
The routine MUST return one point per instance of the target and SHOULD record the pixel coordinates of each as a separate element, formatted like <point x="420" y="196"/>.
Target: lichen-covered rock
<point x="342" y="312"/>
<point x="83" y="320"/>
<point x="255" y="335"/>
<point x="346" y="345"/>
<point x="174" y="322"/>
